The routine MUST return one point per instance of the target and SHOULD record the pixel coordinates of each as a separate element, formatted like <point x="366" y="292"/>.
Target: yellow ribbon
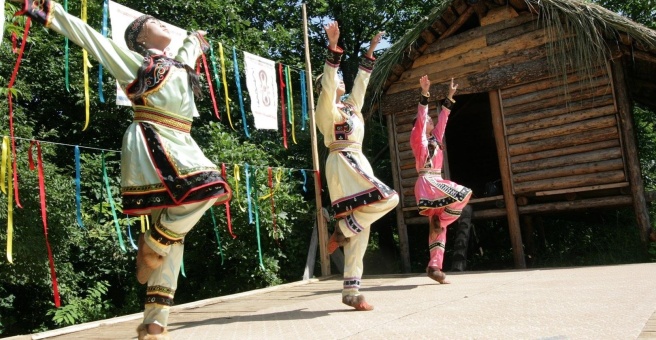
<point x="85" y="65"/>
<point x="225" y="85"/>
<point x="291" y="103"/>
<point x="237" y="177"/>
<point x="278" y="178"/>
<point x="10" y="196"/>
<point x="145" y="223"/>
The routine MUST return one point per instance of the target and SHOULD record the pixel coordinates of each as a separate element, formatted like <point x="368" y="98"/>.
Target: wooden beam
<point x="631" y="150"/>
<point x="582" y="189"/>
<point x="589" y="203"/>
<point x="498" y="14"/>
<point x="457" y="24"/>
<point x="506" y="180"/>
<point x="400" y="223"/>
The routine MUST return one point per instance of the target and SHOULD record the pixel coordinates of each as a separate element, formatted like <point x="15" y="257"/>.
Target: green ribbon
<point x="111" y="204"/>
<point x="257" y="219"/>
<point x="216" y="232"/>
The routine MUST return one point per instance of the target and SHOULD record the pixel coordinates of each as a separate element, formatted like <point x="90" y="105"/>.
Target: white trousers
<point x="360" y="219"/>
<point x="170" y="225"/>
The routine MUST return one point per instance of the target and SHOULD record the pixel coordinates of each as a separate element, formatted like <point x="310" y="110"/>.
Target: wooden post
<point x="400" y="223"/>
<point x="321" y="225"/>
<point x="631" y="149"/>
<point x="506" y="178"/>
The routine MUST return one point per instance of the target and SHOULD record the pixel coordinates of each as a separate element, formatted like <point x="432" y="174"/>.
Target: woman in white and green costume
<point x="163" y="171"/>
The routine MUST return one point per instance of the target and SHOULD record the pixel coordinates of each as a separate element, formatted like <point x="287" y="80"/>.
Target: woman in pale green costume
<point x="163" y="171"/>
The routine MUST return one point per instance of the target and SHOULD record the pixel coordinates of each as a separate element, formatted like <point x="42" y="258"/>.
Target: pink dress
<point x="435" y="196"/>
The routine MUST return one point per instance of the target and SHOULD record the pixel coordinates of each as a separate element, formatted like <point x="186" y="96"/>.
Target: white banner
<point x="121" y="17"/>
<point x="261" y="83"/>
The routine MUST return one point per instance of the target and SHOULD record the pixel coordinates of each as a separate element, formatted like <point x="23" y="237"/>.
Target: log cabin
<point x="543" y="115"/>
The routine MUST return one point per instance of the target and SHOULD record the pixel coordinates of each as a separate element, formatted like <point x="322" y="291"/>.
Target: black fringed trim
<point x="334" y="57"/>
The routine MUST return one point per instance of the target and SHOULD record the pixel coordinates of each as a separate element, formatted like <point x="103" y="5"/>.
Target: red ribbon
<point x="42" y="194"/>
<point x="273" y="204"/>
<point x="11" y="108"/>
<point x="227" y="203"/>
<point x="282" y="106"/>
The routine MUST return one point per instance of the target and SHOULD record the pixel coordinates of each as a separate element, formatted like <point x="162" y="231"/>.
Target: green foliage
<point x="642" y="11"/>
<point x="93" y="306"/>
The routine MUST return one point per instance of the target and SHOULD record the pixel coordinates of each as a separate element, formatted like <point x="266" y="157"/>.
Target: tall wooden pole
<point x="321" y="225"/>
<point x="631" y="149"/>
<point x="506" y="180"/>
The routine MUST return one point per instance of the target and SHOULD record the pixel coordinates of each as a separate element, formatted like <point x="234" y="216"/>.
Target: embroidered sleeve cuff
<point x="39" y="10"/>
<point x="334" y="57"/>
<point x="448" y="104"/>
<point x="423" y="100"/>
<point x="367" y="63"/>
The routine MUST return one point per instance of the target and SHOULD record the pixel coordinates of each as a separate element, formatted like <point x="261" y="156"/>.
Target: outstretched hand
<point x="452" y="90"/>
<point x="332" y="32"/>
<point x="374" y="42"/>
<point x="424" y="82"/>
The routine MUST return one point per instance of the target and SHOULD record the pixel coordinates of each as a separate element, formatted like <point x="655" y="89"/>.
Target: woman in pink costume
<point x="439" y="199"/>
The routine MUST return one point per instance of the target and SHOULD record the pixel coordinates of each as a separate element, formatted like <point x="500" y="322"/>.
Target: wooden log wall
<point x="563" y="137"/>
<point x="560" y="138"/>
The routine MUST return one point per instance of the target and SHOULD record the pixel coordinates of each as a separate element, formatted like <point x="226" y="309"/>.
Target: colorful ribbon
<point x="216" y="232"/>
<point x="224" y="174"/>
<point x="14" y="73"/>
<point x="134" y="246"/>
<point x="225" y="86"/>
<point x="182" y="271"/>
<point x="111" y="204"/>
<point x="103" y="31"/>
<point x="78" y="200"/>
<point x="248" y="192"/>
<point x="304" y="180"/>
<point x="10" y="195"/>
<point x="209" y="80"/>
<point x="85" y="66"/>
<point x="257" y="221"/>
<point x="282" y="106"/>
<point x="66" y="49"/>
<point x="304" y="113"/>
<point x="44" y="216"/>
<point x="237" y="178"/>
<point x="145" y="223"/>
<point x="215" y="72"/>
<point x="241" y="97"/>
<point x="290" y="103"/>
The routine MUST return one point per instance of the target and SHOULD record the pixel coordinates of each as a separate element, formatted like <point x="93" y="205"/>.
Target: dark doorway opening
<point x="470" y="145"/>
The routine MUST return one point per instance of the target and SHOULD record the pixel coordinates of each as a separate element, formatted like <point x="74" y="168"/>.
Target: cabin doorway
<point x="470" y="146"/>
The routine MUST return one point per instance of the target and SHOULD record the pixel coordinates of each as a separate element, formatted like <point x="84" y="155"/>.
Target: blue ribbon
<point x="103" y="31"/>
<point x="304" y="180"/>
<point x="216" y="232"/>
<point x="78" y="201"/>
<point x="248" y="194"/>
<point x="214" y="69"/>
<point x="257" y="222"/>
<point x="241" y="98"/>
<point x="304" y="113"/>
<point x="182" y="271"/>
<point x="134" y="246"/>
<point x="66" y="48"/>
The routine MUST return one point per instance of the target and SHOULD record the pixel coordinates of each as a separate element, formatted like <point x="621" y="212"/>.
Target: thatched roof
<point x="595" y="28"/>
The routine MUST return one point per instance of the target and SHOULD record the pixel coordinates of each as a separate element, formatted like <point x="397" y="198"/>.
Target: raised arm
<point x="418" y="140"/>
<point x="120" y="62"/>
<point x="326" y="113"/>
<point x="192" y="47"/>
<point x="442" y="119"/>
<point x="356" y="98"/>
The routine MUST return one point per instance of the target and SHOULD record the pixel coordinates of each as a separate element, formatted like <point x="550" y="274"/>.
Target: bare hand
<point x="201" y="33"/>
<point x="374" y="42"/>
<point x="332" y="31"/>
<point x="424" y="82"/>
<point x="452" y="90"/>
